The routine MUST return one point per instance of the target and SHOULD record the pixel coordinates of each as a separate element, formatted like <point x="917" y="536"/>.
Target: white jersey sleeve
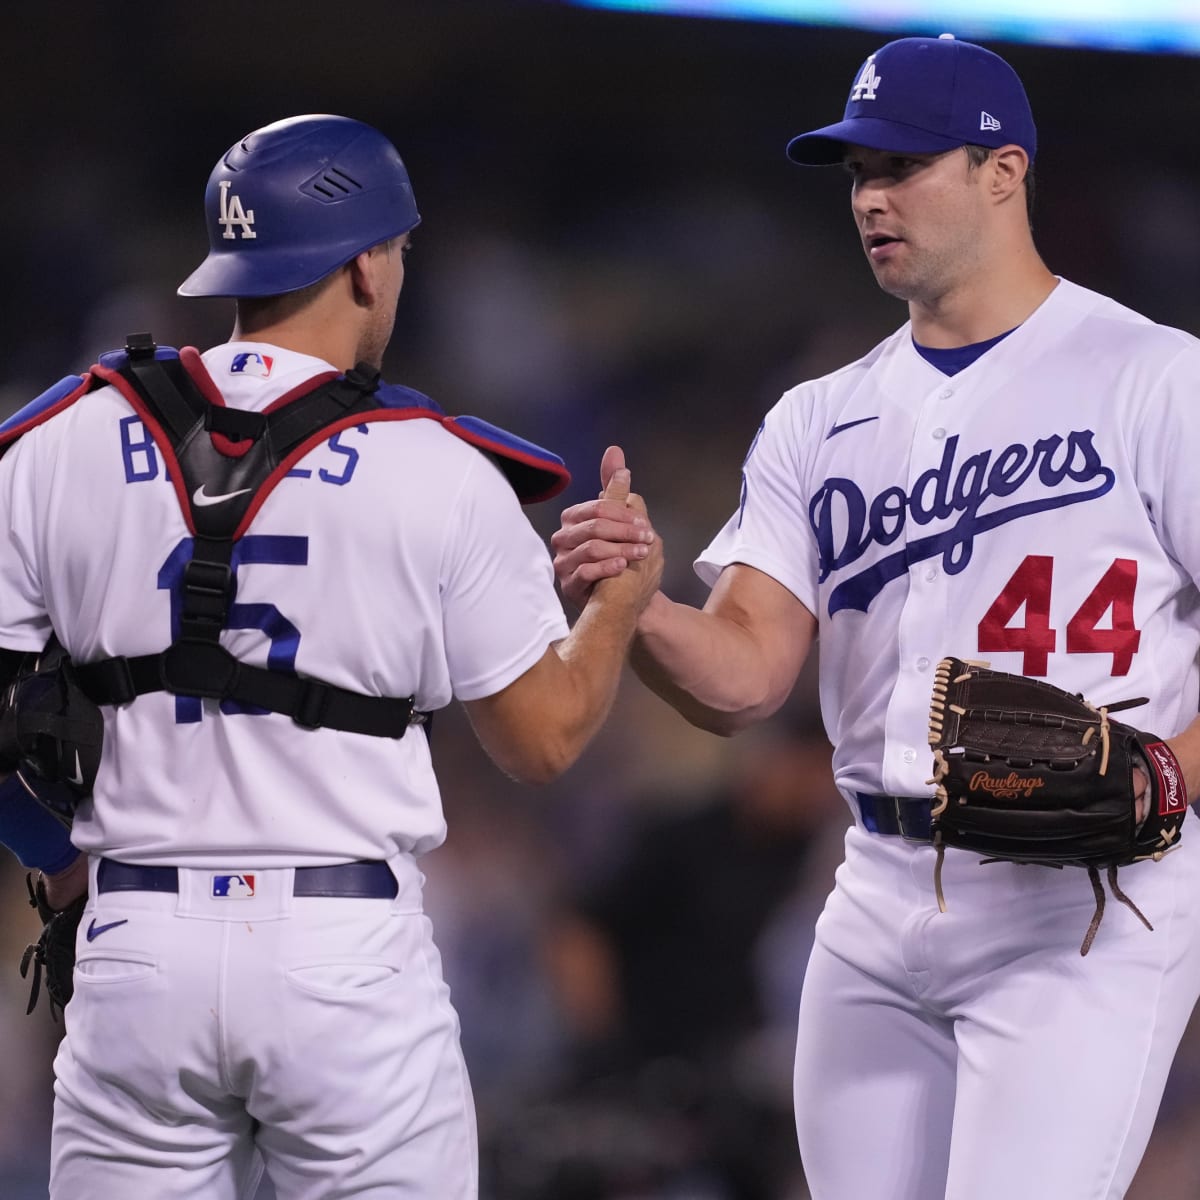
<point x="496" y="578"/>
<point x="1166" y="443"/>
<point x="770" y="530"/>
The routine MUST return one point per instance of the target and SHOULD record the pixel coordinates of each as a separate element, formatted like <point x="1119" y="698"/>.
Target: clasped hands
<point x="600" y="538"/>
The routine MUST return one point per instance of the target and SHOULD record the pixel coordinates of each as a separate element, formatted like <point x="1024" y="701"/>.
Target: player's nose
<point x="868" y="196"/>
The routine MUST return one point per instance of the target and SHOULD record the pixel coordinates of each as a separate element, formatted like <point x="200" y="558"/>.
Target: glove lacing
<point x="942" y="767"/>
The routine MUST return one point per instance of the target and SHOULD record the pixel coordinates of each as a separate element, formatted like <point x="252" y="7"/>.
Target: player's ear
<point x="1009" y="165"/>
<point x="363" y="279"/>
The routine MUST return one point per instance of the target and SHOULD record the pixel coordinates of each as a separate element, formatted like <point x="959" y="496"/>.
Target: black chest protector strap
<point x="196" y="664"/>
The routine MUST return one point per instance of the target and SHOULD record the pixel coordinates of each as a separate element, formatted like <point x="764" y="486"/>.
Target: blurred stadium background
<point x="614" y="249"/>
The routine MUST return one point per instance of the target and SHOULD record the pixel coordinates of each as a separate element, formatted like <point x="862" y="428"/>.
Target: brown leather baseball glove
<point x="1027" y="772"/>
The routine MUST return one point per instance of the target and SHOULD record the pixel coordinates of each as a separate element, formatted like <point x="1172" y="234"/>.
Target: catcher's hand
<point x="54" y="951"/>
<point x="1026" y="772"/>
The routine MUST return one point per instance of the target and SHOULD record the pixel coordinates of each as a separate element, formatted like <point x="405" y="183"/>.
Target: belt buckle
<point x="902" y="823"/>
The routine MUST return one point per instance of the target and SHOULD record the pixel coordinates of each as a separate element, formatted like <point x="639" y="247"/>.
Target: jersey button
<point x="910" y="756"/>
<point x="931" y="574"/>
<point x="947" y="394"/>
<point x="939" y="432"/>
<point x="922" y="664"/>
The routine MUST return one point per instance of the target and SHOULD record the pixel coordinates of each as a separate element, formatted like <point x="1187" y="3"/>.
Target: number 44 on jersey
<point x="1030" y="586"/>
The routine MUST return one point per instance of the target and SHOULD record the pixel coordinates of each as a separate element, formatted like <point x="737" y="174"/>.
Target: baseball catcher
<point x="1029" y="773"/>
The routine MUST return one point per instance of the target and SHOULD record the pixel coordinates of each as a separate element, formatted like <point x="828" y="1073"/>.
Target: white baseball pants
<point x="208" y="1031"/>
<point x="974" y="1054"/>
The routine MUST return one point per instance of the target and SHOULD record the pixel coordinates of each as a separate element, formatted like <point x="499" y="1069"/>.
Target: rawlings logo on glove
<point x="1011" y="786"/>
<point x="1172" y="796"/>
<point x="1026" y="772"/>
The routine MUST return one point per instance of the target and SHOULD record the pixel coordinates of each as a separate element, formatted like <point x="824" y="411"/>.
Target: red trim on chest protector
<point x="323" y="435"/>
<point x="117" y="380"/>
<point x="482" y="442"/>
<point x="194" y="365"/>
<point x="264" y="489"/>
<point x="11" y="435"/>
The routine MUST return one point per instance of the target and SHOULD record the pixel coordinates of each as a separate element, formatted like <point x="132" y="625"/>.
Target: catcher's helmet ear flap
<point x="295" y="200"/>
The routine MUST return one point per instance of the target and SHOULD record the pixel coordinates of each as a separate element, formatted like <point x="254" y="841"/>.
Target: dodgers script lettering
<point x="847" y="526"/>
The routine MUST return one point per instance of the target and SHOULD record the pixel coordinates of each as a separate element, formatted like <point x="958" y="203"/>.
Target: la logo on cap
<point x="868" y="81"/>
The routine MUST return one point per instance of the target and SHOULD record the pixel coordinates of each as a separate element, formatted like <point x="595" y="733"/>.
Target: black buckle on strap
<point x="140" y="346"/>
<point x="193" y="667"/>
<point x="208" y="578"/>
<point x="237" y="424"/>
<point x="313" y="704"/>
<point x="364" y="377"/>
<point x="114" y="676"/>
<point x="207" y="591"/>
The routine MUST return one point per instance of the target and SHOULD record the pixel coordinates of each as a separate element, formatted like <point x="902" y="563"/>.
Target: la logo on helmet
<point x="232" y="213"/>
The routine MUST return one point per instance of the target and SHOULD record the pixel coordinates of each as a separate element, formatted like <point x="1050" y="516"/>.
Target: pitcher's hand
<point x="600" y="538"/>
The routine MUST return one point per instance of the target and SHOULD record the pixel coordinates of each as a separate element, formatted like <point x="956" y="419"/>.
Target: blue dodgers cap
<point x="922" y="96"/>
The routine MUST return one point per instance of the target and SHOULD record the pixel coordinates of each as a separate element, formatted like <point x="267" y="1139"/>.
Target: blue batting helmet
<point x="295" y="200"/>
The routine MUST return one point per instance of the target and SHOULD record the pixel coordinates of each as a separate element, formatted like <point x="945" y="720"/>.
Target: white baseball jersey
<point x="393" y="560"/>
<point x="1036" y="510"/>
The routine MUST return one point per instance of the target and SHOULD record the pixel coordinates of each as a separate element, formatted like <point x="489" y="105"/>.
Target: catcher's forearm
<point x="592" y="656"/>
<point x="68" y="884"/>
<point x="535" y="728"/>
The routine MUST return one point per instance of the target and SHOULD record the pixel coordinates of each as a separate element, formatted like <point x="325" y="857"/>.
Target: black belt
<point x="907" y="816"/>
<point x="359" y="880"/>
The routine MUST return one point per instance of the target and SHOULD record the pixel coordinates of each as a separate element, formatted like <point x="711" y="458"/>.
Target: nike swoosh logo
<point x="848" y="425"/>
<point x="77" y="778"/>
<point x="94" y="930"/>
<point x="201" y="497"/>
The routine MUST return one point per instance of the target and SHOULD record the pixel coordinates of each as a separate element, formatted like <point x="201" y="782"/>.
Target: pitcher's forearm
<point x="706" y="667"/>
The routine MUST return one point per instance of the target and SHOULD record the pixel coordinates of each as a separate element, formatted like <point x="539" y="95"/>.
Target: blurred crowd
<point x="614" y="249"/>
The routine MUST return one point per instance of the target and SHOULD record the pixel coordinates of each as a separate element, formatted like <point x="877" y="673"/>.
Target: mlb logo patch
<point x="233" y="887"/>
<point x="251" y="363"/>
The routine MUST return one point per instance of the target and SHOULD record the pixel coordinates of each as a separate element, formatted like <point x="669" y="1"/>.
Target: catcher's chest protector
<point x="223" y="463"/>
